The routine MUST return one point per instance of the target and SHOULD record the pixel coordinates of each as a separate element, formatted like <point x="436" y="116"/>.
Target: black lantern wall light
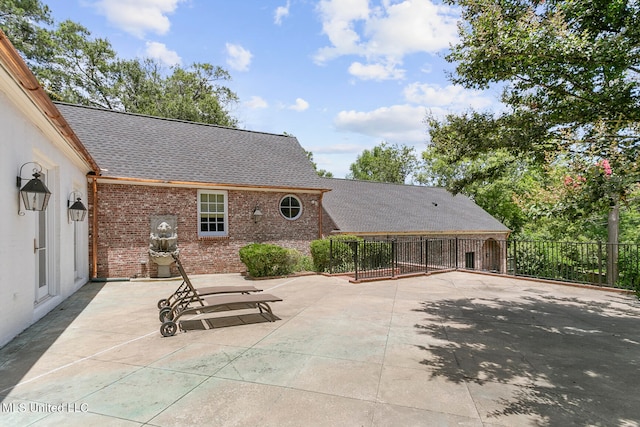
<point x="35" y="195"/>
<point x="77" y="211"/>
<point x="256" y="214"/>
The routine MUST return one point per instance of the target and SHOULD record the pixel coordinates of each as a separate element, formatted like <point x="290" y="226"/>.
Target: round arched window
<point x="290" y="207"/>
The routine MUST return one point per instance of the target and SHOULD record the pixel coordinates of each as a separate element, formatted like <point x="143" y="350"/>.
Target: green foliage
<point x="498" y="179"/>
<point x="569" y="79"/>
<point x="21" y="21"/>
<point x="192" y="92"/>
<point x="630" y="219"/>
<point x="629" y="268"/>
<point x="266" y="260"/>
<point x="300" y="262"/>
<point x="75" y="67"/>
<point x="340" y="247"/>
<point x="570" y="261"/>
<point x="320" y="255"/>
<point x="375" y="255"/>
<point x="572" y="60"/>
<point x="530" y="260"/>
<point x="565" y="65"/>
<point x="81" y="70"/>
<point x="384" y="163"/>
<point x="146" y="87"/>
<point x="582" y="262"/>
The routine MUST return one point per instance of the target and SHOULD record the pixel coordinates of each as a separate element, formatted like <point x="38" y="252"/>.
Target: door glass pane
<point x="41" y="253"/>
<point x="42" y="268"/>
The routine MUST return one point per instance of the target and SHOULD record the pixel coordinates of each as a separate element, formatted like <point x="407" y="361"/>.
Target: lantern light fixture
<point x="257" y="214"/>
<point x="76" y="209"/>
<point x="35" y="194"/>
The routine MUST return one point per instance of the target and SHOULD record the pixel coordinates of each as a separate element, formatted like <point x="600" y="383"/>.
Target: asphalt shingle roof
<point x="374" y="207"/>
<point x="144" y="147"/>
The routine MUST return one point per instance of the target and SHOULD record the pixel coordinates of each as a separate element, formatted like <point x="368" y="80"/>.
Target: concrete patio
<point x="448" y="349"/>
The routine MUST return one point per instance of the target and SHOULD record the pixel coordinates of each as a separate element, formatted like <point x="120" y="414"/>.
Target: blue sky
<point x="340" y="75"/>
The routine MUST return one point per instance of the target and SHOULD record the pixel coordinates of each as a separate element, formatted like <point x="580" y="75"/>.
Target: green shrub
<point x="342" y="253"/>
<point x="320" y="255"/>
<point x="264" y="260"/>
<point x="300" y="262"/>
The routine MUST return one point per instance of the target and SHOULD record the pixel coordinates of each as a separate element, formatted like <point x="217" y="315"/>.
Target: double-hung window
<point x="212" y="213"/>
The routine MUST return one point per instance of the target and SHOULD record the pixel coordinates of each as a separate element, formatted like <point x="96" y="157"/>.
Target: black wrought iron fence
<point x="584" y="262"/>
<point x="581" y="262"/>
<point x="628" y="265"/>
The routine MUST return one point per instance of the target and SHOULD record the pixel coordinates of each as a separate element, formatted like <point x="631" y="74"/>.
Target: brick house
<point x="211" y="179"/>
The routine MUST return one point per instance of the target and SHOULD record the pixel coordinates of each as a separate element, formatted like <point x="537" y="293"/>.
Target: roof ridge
<point x="169" y="119"/>
<point x="382" y="182"/>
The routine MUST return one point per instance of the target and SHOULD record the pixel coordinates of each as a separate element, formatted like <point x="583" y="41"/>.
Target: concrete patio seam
<point x="75" y="362"/>
<point x="386" y="343"/>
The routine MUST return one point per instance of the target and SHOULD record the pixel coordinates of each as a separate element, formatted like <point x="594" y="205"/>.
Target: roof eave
<point x="199" y="184"/>
<point x="420" y="232"/>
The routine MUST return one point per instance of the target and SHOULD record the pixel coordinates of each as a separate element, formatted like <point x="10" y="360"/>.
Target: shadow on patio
<point x="565" y="363"/>
<point x="19" y="356"/>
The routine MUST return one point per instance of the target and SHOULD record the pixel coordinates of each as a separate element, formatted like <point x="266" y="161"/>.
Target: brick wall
<point x="124" y="213"/>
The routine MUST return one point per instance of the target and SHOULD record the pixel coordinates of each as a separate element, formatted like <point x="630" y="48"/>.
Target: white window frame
<point x="224" y="233"/>
<point x="293" y="196"/>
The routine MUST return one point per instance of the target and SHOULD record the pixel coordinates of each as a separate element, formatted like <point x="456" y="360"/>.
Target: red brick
<point x="124" y="213"/>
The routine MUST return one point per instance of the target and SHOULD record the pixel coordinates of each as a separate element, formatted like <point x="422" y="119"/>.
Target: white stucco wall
<point x="27" y="136"/>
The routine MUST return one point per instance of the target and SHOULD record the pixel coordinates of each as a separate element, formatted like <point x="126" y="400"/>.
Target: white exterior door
<point x="40" y="243"/>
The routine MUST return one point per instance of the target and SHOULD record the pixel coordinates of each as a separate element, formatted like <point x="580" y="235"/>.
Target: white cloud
<point x="398" y="123"/>
<point x="453" y="97"/>
<point x="377" y="72"/>
<point x="281" y="12"/>
<point x="256" y="102"/>
<point x="384" y="34"/>
<point x="160" y="52"/>
<point x="239" y="58"/>
<point x="405" y="123"/>
<point x="300" y="105"/>
<point x="412" y="26"/>
<point x="138" y="17"/>
<point x="338" y="23"/>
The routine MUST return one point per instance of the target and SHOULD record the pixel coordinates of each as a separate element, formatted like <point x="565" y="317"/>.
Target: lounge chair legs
<point x="265" y="306"/>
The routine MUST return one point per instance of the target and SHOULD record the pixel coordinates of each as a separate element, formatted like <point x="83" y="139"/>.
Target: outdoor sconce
<point x="257" y="214"/>
<point x="77" y="211"/>
<point x="35" y="195"/>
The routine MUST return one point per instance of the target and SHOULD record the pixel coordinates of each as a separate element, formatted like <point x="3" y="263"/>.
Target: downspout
<point x="94" y="234"/>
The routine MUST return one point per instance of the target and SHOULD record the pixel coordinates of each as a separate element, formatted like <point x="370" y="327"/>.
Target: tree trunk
<point x="612" y="244"/>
